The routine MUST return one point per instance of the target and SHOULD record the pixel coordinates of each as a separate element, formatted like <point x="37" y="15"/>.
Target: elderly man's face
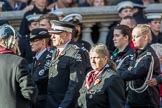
<point x="59" y="39"/>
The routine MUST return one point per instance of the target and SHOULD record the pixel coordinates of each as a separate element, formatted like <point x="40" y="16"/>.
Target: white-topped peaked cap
<point x="33" y="17"/>
<point x="72" y="18"/>
<point x="60" y="26"/>
<point x="154" y="15"/>
<point x="124" y="4"/>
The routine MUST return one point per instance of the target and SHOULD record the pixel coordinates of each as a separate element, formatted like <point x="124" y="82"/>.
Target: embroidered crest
<point x="41" y="72"/>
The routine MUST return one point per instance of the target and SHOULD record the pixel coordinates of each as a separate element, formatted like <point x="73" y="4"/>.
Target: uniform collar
<point x="37" y="56"/>
<point x="63" y="47"/>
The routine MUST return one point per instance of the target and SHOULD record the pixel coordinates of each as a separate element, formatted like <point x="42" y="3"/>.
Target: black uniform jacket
<point x="39" y="71"/>
<point x="107" y="91"/>
<point x="156" y="39"/>
<point x="17" y="87"/>
<point x="65" y="77"/>
<point x="123" y="59"/>
<point x="138" y="73"/>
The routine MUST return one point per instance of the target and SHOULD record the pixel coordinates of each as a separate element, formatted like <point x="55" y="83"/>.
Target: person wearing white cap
<point x="125" y="8"/>
<point x="76" y="20"/>
<point x="39" y="7"/>
<point x="154" y="20"/>
<point x="32" y="24"/>
<point x="33" y="21"/>
<point x="66" y="72"/>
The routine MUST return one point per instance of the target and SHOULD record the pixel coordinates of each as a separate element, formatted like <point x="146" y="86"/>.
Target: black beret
<point x="39" y="33"/>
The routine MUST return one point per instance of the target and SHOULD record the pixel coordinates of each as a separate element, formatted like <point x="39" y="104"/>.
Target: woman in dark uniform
<point x="103" y="88"/>
<point x="145" y="65"/>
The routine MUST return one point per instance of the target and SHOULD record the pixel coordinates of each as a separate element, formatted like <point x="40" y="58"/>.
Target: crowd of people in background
<point x="46" y="64"/>
<point x="26" y="5"/>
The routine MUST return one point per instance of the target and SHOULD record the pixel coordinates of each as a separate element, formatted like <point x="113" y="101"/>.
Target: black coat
<point x="17" y="87"/>
<point x="156" y="39"/>
<point x="39" y="71"/>
<point x="66" y="75"/>
<point x="107" y="93"/>
<point x="138" y="73"/>
<point x="123" y="59"/>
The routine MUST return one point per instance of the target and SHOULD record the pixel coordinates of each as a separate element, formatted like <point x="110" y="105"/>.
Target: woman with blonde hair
<point x="145" y="65"/>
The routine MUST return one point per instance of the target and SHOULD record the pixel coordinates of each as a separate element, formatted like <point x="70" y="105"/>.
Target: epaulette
<point x="84" y="49"/>
<point x="75" y="47"/>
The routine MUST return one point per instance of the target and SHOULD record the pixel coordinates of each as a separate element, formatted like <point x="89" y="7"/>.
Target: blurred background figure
<point x="147" y="2"/>
<point x="39" y="7"/>
<point x="124" y="8"/>
<point x="17" y="85"/>
<point x="86" y="3"/>
<point x="98" y="3"/>
<point x="44" y="22"/>
<point x="138" y="12"/>
<point x="3" y="21"/>
<point x="76" y="19"/>
<point x="158" y="80"/>
<point x="154" y="20"/>
<point x="95" y="3"/>
<point x="32" y="21"/>
<point x="103" y="87"/>
<point x="128" y="21"/>
<point x="131" y="23"/>
<point x="14" y="5"/>
<point x="62" y="4"/>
